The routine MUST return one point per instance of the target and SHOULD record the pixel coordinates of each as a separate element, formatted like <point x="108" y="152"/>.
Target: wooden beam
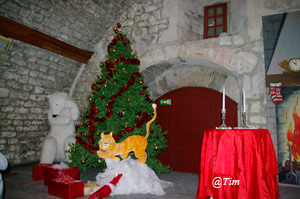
<point x="287" y="79"/>
<point x="15" y="30"/>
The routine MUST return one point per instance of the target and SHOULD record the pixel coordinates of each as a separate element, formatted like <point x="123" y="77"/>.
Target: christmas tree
<point x="119" y="103"/>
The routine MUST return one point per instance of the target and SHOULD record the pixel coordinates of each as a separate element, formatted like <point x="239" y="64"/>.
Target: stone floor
<point x="19" y="185"/>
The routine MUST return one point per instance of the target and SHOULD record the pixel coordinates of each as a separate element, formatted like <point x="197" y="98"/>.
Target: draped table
<point x="238" y="164"/>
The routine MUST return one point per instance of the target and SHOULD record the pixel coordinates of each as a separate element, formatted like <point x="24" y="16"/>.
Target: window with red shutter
<point x="215" y="20"/>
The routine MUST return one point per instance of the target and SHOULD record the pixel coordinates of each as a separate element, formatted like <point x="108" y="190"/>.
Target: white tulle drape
<point x="137" y="178"/>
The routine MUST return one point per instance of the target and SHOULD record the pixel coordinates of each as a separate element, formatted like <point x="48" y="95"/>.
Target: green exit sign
<point x="165" y="102"/>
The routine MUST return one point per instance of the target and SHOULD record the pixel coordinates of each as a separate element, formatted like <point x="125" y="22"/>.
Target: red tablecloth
<point x="242" y="161"/>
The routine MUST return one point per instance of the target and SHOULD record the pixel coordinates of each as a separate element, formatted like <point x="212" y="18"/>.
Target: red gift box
<point x="66" y="190"/>
<point x="53" y="173"/>
<point x="38" y="171"/>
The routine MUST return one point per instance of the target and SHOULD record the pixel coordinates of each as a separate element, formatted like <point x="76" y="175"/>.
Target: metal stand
<point x="245" y="125"/>
<point x="223" y="125"/>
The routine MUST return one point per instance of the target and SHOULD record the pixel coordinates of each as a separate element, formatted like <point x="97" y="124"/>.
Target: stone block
<point x="17" y="122"/>
<point x="18" y="62"/>
<point x="38" y="90"/>
<point x="21" y="110"/>
<point x="238" y="40"/>
<point x="37" y="17"/>
<point x="172" y="52"/>
<point x="12" y="6"/>
<point x="12" y="141"/>
<point x="36" y="110"/>
<point x="7" y="109"/>
<point x="24" y="12"/>
<point x="257" y="119"/>
<point x="9" y="134"/>
<point x="225" y="41"/>
<point x="10" y="75"/>
<point x="244" y="62"/>
<point x="23" y="79"/>
<point x="35" y="81"/>
<point x="27" y="87"/>
<point x="256" y="107"/>
<point x="3" y="101"/>
<point x="23" y="71"/>
<point x="19" y="94"/>
<point x="4" y="92"/>
<point x="271" y="120"/>
<point x="34" y="73"/>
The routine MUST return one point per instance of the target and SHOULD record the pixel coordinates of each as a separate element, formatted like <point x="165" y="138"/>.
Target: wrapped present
<point x="38" y="171"/>
<point x="66" y="187"/>
<point x="56" y="171"/>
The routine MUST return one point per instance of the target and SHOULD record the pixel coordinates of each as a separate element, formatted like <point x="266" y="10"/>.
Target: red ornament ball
<point x="85" y="125"/>
<point x="97" y="89"/>
<point x="119" y="25"/>
<point x="120" y="114"/>
<point x="96" y="111"/>
<point x="141" y="92"/>
<point x="82" y="118"/>
<point x="122" y="56"/>
<point x="108" y="62"/>
<point x="136" y="119"/>
<point x="152" y="131"/>
<point x="102" y="96"/>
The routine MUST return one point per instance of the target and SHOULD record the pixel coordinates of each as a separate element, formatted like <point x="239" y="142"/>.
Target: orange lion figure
<point x="108" y="148"/>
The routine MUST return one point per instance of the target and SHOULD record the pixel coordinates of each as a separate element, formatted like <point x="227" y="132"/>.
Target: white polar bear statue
<point x="62" y="115"/>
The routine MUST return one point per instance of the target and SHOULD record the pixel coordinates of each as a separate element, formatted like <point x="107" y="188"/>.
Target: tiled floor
<point x="19" y="185"/>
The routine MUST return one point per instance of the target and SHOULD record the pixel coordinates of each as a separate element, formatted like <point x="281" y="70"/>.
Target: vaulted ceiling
<point x="80" y="23"/>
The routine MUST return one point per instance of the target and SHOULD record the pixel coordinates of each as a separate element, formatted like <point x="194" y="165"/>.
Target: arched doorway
<point x="192" y="110"/>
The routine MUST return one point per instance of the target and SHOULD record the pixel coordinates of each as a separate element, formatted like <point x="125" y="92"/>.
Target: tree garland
<point x="145" y="117"/>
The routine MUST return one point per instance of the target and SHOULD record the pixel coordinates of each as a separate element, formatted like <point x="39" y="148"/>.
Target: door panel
<point x="192" y="110"/>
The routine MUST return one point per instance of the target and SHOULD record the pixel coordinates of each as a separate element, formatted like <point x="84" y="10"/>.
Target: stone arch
<point x="164" y="76"/>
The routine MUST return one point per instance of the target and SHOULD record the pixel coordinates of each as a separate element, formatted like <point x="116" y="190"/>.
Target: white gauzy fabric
<point x="61" y="165"/>
<point x="137" y="178"/>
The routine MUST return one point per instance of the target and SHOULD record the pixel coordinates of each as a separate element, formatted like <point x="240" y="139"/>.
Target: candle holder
<point x="223" y="125"/>
<point x="244" y="122"/>
<point x="244" y="116"/>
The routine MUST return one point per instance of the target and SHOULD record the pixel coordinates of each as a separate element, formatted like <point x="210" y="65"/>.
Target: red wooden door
<point x="192" y="110"/>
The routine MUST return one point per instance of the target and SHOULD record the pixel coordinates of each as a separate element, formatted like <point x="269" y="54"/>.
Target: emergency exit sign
<point x="165" y="102"/>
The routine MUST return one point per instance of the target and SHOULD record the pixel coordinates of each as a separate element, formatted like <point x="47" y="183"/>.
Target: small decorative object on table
<point x="244" y="114"/>
<point x="223" y="112"/>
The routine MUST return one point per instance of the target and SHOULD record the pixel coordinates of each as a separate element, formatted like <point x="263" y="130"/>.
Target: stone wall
<point x="169" y="60"/>
<point x="175" y="56"/>
<point x="167" y="36"/>
<point x="29" y="74"/>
